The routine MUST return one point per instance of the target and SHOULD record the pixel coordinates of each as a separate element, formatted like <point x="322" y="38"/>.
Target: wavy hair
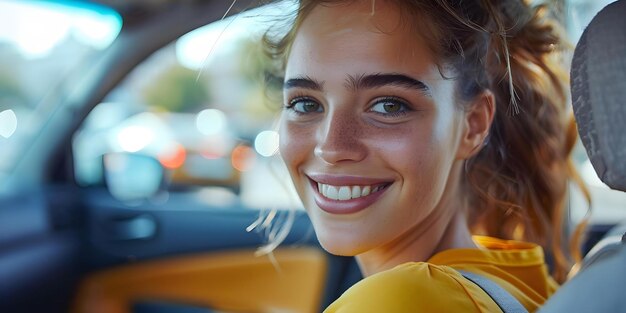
<point x="517" y="183"/>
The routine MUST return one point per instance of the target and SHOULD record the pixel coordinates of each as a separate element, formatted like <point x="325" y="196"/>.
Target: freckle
<point x="350" y="129"/>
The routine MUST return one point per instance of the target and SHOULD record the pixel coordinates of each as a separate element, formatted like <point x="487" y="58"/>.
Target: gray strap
<point x="506" y="302"/>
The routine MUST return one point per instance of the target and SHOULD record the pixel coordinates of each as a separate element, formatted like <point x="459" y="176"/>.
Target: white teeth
<point x="332" y="192"/>
<point x="343" y="193"/>
<point x="366" y="191"/>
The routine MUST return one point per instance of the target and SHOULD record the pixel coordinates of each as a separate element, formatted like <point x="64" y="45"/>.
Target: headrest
<point x="598" y="82"/>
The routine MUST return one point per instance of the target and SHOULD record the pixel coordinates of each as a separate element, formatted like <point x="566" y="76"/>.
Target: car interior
<point x="119" y="241"/>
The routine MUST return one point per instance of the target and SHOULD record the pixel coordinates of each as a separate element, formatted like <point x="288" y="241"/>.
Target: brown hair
<point x="518" y="181"/>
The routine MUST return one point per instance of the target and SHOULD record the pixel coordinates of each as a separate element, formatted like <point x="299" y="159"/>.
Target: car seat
<point x="598" y="84"/>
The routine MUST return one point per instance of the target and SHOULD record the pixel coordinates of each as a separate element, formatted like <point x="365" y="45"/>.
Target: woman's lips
<point x="346" y="194"/>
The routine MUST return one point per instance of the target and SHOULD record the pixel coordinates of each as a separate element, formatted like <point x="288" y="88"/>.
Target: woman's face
<point x="370" y="130"/>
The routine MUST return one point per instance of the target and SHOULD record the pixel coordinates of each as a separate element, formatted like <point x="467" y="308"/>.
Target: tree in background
<point x="177" y="90"/>
<point x="258" y="70"/>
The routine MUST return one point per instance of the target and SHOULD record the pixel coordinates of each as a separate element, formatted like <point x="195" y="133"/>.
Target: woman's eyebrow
<point x="386" y="79"/>
<point x="361" y="82"/>
<point x="303" y="82"/>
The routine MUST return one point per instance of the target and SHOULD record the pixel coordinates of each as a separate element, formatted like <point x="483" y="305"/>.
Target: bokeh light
<point x="211" y="121"/>
<point x="173" y="158"/>
<point x="266" y="143"/>
<point x="243" y="158"/>
<point x="8" y="123"/>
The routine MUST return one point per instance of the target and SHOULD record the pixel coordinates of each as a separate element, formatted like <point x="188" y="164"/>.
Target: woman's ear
<point x="478" y="119"/>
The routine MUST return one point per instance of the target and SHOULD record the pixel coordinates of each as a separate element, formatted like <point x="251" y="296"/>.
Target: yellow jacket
<point x="436" y="286"/>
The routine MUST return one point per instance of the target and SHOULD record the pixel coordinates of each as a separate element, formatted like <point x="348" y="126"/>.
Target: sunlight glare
<point x="134" y="138"/>
<point x="36" y="28"/>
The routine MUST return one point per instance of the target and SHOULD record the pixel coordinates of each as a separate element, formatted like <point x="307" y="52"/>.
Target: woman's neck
<point x="424" y="240"/>
<point x="416" y="247"/>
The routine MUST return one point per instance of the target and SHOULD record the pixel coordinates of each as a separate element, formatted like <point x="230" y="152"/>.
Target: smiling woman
<point x="410" y="125"/>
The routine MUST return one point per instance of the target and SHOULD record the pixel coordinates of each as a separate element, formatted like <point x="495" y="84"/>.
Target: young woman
<point x="410" y="125"/>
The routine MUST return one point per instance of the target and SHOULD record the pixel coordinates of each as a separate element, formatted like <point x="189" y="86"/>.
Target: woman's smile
<point x="346" y="194"/>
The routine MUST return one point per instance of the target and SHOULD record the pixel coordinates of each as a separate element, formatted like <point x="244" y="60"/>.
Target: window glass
<point x="44" y="45"/>
<point x="579" y="13"/>
<point x="198" y="106"/>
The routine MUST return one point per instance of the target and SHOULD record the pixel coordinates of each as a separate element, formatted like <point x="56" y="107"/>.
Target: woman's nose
<point x="340" y="138"/>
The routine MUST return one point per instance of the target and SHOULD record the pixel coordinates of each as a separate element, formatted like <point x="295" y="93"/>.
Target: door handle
<point x="140" y="227"/>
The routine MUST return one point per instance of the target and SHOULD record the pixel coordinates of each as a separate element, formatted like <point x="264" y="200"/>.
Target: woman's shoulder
<point x="414" y="286"/>
<point x="516" y="266"/>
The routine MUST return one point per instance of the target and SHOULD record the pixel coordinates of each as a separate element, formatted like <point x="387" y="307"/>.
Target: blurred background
<point x="198" y="106"/>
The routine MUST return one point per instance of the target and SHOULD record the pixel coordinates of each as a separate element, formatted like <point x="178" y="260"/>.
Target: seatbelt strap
<point x="506" y="302"/>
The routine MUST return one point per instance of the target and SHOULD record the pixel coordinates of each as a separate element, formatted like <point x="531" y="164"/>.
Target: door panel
<point x="290" y="280"/>
<point x="195" y="257"/>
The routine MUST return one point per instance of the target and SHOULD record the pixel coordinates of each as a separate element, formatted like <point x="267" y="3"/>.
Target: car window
<point x="199" y="107"/>
<point x="44" y="48"/>
<point x="578" y="14"/>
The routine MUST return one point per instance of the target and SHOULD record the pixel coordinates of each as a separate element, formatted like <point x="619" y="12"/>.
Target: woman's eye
<point x="390" y="107"/>
<point x="304" y="106"/>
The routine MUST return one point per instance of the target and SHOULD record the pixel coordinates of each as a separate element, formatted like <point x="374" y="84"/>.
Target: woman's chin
<point x="339" y="247"/>
<point x="339" y="251"/>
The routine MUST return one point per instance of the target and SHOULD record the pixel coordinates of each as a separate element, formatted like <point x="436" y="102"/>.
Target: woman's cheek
<point x="293" y="145"/>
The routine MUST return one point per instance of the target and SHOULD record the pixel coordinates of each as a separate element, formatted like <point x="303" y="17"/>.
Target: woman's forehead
<point x="380" y="16"/>
<point x="348" y="39"/>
